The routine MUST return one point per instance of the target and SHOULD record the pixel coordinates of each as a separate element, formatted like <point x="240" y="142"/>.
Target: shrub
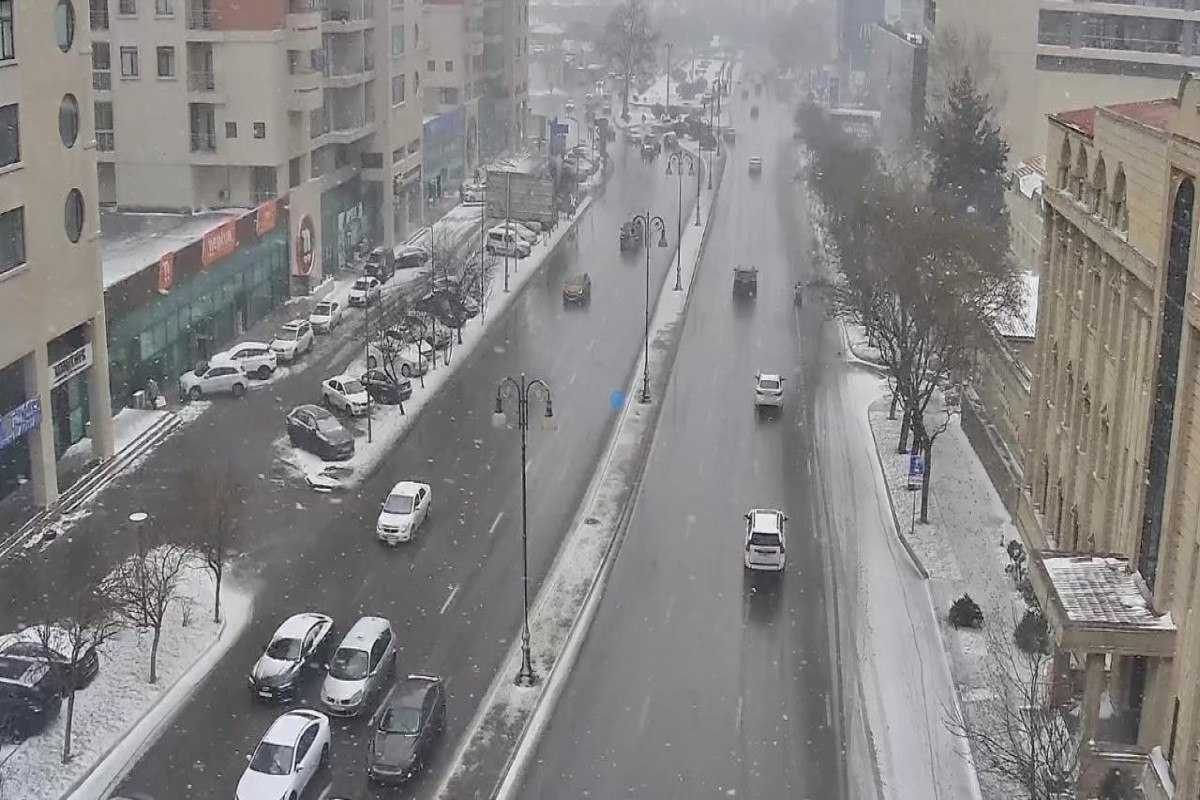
<point x="1032" y="634"/>
<point x="966" y="613"/>
<point x="657" y="110"/>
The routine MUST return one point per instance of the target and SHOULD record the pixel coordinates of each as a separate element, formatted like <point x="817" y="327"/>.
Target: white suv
<point x="226" y="376"/>
<point x="768" y="390"/>
<point x="255" y="358"/>
<point x="766" y="544"/>
<point x="295" y="338"/>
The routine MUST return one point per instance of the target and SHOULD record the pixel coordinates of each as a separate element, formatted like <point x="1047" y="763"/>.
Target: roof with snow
<point x="1152" y="113"/>
<point x="132" y="241"/>
<point x="1023" y="325"/>
<point x="1029" y="175"/>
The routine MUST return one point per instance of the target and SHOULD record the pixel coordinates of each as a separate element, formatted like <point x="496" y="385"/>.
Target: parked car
<point x="470" y="306"/>
<point x="768" y="390"/>
<point x="314" y="429"/>
<point x="406" y="358"/>
<point x="439" y="337"/>
<point x="404" y="510"/>
<point x="218" y="378"/>
<point x="54" y="645"/>
<point x="505" y="243"/>
<point x="299" y="642"/>
<point x="766" y="545"/>
<point x="411" y="256"/>
<point x="385" y="389"/>
<point x="381" y="263"/>
<point x="345" y="393"/>
<point x="521" y="231"/>
<point x="577" y="289"/>
<point x="473" y="194"/>
<point x="360" y="668"/>
<point x="255" y="358"/>
<point x="295" y="339"/>
<point x="30" y="696"/>
<point x="412" y="721"/>
<point x="365" y="291"/>
<point x="292" y="751"/>
<point x="326" y="316"/>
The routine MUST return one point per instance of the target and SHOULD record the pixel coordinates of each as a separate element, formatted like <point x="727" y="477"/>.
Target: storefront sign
<point x="306" y="246"/>
<point x="20" y="421"/>
<point x="65" y="369"/>
<point x="166" y="272"/>
<point x="219" y="242"/>
<point x="265" y="218"/>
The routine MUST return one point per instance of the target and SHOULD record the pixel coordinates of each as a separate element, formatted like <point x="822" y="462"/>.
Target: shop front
<point x="17" y="414"/>
<point x="346" y="229"/>
<point x="71" y="359"/>
<point x="443" y="152"/>
<point x="195" y="301"/>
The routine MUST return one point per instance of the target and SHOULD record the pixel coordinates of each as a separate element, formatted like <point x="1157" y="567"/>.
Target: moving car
<point x="360" y="668"/>
<point x="650" y="149"/>
<point x="745" y="282"/>
<point x="386" y="390"/>
<point x="314" y="429"/>
<point x="217" y="378"/>
<point x="404" y="510"/>
<point x="326" y="316"/>
<point x="768" y="390"/>
<point x="365" y="291"/>
<point x="729" y="135"/>
<point x="255" y="358"/>
<point x="411" y="722"/>
<point x="345" y="393"/>
<point x="577" y="289"/>
<point x="29" y="696"/>
<point x="753" y="112"/>
<point x="300" y="641"/>
<point x="756" y="165"/>
<point x="54" y="645"/>
<point x="381" y="263"/>
<point x="766" y="544"/>
<point x="292" y="751"/>
<point x="295" y="339"/>
<point x="631" y="237"/>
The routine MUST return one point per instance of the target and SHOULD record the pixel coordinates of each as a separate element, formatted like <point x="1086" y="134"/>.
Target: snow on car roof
<point x="287" y="729"/>
<point x="298" y="625"/>
<point x="768" y="376"/>
<point x="763" y="520"/>
<point x="294" y="324"/>
<point x="406" y="487"/>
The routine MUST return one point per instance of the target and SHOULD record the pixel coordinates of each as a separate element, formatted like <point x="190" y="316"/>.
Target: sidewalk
<point x="962" y="548"/>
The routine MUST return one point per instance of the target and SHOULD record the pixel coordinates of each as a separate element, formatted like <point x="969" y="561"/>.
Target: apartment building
<point x="453" y="85"/>
<point x="54" y="386"/>
<point x="1112" y="479"/>
<point x="212" y="104"/>
<point x="504" y="99"/>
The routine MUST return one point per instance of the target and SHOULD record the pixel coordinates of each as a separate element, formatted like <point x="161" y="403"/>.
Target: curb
<point x="854" y="357"/>
<point x="912" y="554"/>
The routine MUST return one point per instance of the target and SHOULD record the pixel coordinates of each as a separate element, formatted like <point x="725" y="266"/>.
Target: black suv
<point x="381" y="264"/>
<point x="413" y="719"/>
<point x="29" y="696"/>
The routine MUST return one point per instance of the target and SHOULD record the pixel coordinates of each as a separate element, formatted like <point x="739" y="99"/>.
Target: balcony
<point x="203" y="82"/>
<point x="318" y="123"/>
<point x="348" y="16"/>
<point x="105" y="141"/>
<point x="307" y="90"/>
<point x="341" y="75"/>
<point x="204" y="142"/>
<point x="99" y="19"/>
<point x="200" y="19"/>
<point x="349" y="128"/>
<point x="304" y="24"/>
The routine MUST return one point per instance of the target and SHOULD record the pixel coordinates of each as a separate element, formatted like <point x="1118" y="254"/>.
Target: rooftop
<point x="1023" y="325"/>
<point x="1029" y="175"/>
<point x="1152" y="113"/>
<point x="132" y="241"/>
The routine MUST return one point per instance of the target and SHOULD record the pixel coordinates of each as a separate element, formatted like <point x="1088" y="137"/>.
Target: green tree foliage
<point x="629" y="43"/>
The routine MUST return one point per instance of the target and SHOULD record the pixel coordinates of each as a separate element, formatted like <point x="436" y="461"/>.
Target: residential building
<point x="212" y="104"/>
<point x="897" y="87"/>
<point x="1111" y="460"/>
<point x="854" y="21"/>
<point x="504" y="99"/>
<point x="53" y="381"/>
<point x="453" y="84"/>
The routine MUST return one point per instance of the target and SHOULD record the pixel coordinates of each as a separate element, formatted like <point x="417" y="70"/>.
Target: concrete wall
<point x="897" y="86"/>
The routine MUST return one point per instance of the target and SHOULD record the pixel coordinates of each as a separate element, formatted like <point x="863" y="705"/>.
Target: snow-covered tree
<point x="630" y="44"/>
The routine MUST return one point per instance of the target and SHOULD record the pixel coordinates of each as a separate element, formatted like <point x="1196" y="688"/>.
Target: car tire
<point x="239" y="389"/>
<point x="195" y="393"/>
<point x="405" y="371"/>
<point x="264" y="372"/>
<point x="372" y="362"/>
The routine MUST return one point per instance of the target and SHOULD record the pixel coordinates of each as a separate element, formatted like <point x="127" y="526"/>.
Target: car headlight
<point x="356" y="697"/>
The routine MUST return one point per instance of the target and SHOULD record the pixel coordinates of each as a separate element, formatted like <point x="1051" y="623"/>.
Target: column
<point x="99" y="394"/>
<point x="1093" y="688"/>
<point x="387" y="211"/>
<point x="43" y="463"/>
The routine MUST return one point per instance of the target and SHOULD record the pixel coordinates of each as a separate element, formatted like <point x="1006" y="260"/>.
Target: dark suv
<point x="381" y="264"/>
<point x="411" y="722"/>
<point x="29" y="696"/>
<point x="319" y="432"/>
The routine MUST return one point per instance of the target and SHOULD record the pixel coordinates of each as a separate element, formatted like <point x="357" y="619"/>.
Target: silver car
<point x="361" y="667"/>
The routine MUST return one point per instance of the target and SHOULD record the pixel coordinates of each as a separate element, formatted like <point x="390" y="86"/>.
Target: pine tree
<point x="970" y="157"/>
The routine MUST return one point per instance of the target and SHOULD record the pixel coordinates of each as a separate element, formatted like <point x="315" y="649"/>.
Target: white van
<point x="766" y="545"/>
<point x="503" y="243"/>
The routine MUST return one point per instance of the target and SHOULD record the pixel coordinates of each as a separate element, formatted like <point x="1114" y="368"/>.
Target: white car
<point x="506" y="243"/>
<point x="768" y="390"/>
<point x="405" y="358"/>
<point x="326" y="316"/>
<point x="766" y="543"/>
<point x="522" y="232"/>
<point x="405" y="508"/>
<point x="292" y="751"/>
<point x="223" y="378"/>
<point x="255" y="358"/>
<point x="365" y="291"/>
<point x="295" y="339"/>
<point x="345" y="393"/>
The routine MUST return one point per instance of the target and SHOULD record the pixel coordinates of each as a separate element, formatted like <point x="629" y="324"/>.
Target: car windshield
<point x="759" y="539"/>
<point x="272" y="759"/>
<point x="323" y="310"/>
<point x="284" y="650"/>
<point x="404" y="720"/>
<point x="328" y="425"/>
<point x="26" y="650"/>
<point x="288" y="335"/>
<point x="348" y="664"/>
<point x="399" y="504"/>
<point x="768" y="383"/>
<point x="352" y="387"/>
<point x="362" y="283"/>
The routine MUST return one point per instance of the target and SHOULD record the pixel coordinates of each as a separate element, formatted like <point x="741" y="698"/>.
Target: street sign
<point x="916" y="471"/>
<point x="20" y="421"/>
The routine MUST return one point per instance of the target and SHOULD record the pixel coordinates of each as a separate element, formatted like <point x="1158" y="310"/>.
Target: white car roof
<point x="768" y="376"/>
<point x="227" y="353"/>
<point x="364" y="632"/>
<point x="408" y="488"/>
<point x="296" y="323"/>
<point x="765" y="520"/>
<point x="297" y="626"/>
<point x="287" y="729"/>
<point x="344" y="377"/>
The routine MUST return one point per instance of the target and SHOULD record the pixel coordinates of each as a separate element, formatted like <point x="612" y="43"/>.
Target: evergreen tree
<point x="970" y="157"/>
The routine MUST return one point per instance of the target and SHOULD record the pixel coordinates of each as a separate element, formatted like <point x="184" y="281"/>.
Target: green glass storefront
<point x="165" y="337"/>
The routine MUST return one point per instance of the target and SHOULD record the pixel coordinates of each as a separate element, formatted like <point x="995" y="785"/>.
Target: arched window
<point x="1099" y="198"/>
<point x="1079" y="183"/>
<point x="1118" y="210"/>
<point x="1064" y="164"/>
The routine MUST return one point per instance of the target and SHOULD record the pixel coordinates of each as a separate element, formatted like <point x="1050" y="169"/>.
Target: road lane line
<point x="737" y="720"/>
<point x="571" y="380"/>
<point x="670" y="608"/>
<point x="645" y="715"/>
<point x="449" y="599"/>
<point x="495" y="522"/>
<point x="326" y="791"/>
<point x="687" y="531"/>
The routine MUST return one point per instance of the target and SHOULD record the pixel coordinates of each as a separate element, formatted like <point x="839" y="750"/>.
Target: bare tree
<point x="218" y="499"/>
<point x="629" y="42"/>
<point x="1018" y="734"/>
<point x="146" y="585"/>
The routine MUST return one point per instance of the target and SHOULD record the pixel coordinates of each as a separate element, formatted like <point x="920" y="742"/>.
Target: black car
<point x="53" y="646"/>
<point x="30" y="696"/>
<point x="408" y="727"/>
<point x="385" y="389"/>
<point x="411" y="256"/>
<point x="381" y="264"/>
<point x="302" y="640"/>
<point x="319" y="432"/>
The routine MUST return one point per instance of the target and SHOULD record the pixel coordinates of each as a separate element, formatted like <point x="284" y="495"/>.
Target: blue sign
<point x="916" y="470"/>
<point x="20" y="421"/>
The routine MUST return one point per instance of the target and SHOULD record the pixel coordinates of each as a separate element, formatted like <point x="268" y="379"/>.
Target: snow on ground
<point x="707" y="68"/>
<point x="121" y="711"/>
<point x="856" y="341"/>
<point x="128" y="425"/>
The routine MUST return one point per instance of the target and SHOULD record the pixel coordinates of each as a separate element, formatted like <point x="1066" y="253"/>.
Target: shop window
<point x="68" y="120"/>
<point x="10" y="135"/>
<point x="12" y="239"/>
<point x="64" y="25"/>
<point x="73" y="215"/>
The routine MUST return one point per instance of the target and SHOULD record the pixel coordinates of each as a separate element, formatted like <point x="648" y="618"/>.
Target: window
<point x="166" y="61"/>
<point x="129" y="62"/>
<point x="73" y="215"/>
<point x="164" y="8"/>
<point x="10" y="135"/>
<point x="294" y="172"/>
<point x="417" y="33"/>
<point x="260" y="130"/>
<point x="417" y="83"/>
<point x="230" y="130"/>
<point x="397" y="41"/>
<point x="12" y="239"/>
<point x="101" y="66"/>
<point x="64" y="25"/>
<point x="104" y="127"/>
<point x="8" y="46"/>
<point x="449" y="66"/>
<point x="127" y="8"/>
<point x="431" y="66"/>
<point x="68" y="120"/>
<point x="397" y="90"/>
<point x="448" y="96"/>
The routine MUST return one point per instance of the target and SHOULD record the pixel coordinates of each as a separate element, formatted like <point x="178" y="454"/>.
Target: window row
<point x="131" y="67"/>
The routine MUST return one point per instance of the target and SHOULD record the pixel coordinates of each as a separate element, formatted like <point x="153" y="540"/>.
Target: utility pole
<point x="508" y="234"/>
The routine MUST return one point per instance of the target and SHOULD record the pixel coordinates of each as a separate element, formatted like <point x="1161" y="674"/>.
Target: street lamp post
<point x="522" y="391"/>
<point x="675" y="162"/>
<point x="648" y="224"/>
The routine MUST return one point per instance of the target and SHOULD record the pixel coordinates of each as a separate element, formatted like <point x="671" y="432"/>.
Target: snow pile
<point x="120" y="712"/>
<point x="859" y="345"/>
<point x="128" y="425"/>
